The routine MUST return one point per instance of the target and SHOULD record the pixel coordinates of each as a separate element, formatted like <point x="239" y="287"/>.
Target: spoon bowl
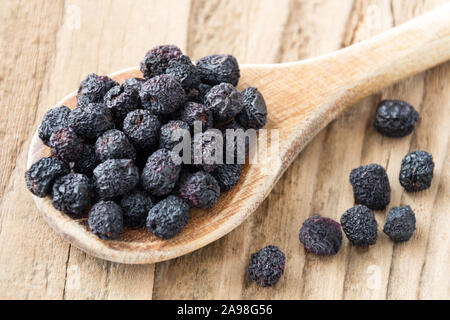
<point x="302" y="98"/>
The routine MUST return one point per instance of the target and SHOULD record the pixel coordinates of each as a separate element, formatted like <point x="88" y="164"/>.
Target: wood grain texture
<point x="41" y="265"/>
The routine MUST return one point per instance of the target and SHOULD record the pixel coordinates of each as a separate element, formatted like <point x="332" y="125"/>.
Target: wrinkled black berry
<point x="207" y="150"/>
<point x="54" y="119"/>
<point x="224" y="101"/>
<point x="254" y="111"/>
<point x="114" y="144"/>
<point x="66" y="145"/>
<point x="218" y="68"/>
<point x="395" y="118"/>
<point x="105" y="220"/>
<point x="416" y="171"/>
<point x="157" y="60"/>
<point x="160" y="173"/>
<point x="200" y="190"/>
<point x="182" y="69"/>
<point x="91" y="121"/>
<point x="227" y="175"/>
<point x="193" y="111"/>
<point x="121" y="100"/>
<point x="142" y="127"/>
<point x="72" y="193"/>
<point x="320" y="235"/>
<point x="266" y="266"/>
<point x="93" y="88"/>
<point x="236" y="142"/>
<point x="360" y="226"/>
<point x="400" y="223"/>
<point x="168" y="217"/>
<point x="133" y="84"/>
<point x="198" y="94"/>
<point x="135" y="206"/>
<point x="169" y="132"/>
<point x="87" y="161"/>
<point x="371" y="186"/>
<point x="40" y="176"/>
<point x="115" y="177"/>
<point x="162" y="95"/>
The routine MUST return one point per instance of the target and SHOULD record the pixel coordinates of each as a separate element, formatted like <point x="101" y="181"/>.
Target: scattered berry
<point x="142" y="127"/>
<point x="371" y="186"/>
<point x="200" y="190"/>
<point x="182" y="69"/>
<point x="41" y="175"/>
<point x="157" y="60"/>
<point x="160" y="173"/>
<point x="416" y="171"/>
<point x="218" y="68"/>
<point x="93" y="88"/>
<point x="224" y="101"/>
<point x="193" y="111"/>
<point x="400" y="223"/>
<point x="165" y="137"/>
<point x="254" y="111"/>
<point x="168" y="217"/>
<point x="54" y="119"/>
<point x="135" y="206"/>
<point x="121" y="100"/>
<point x="105" y="220"/>
<point x="227" y="175"/>
<point x="91" y="121"/>
<point x="266" y="266"/>
<point x="162" y="95"/>
<point x="72" y="193"/>
<point x="395" y="118"/>
<point x="321" y="236"/>
<point x="115" y="177"/>
<point x="87" y="161"/>
<point x="114" y="144"/>
<point x="360" y="226"/>
<point x="66" y="145"/>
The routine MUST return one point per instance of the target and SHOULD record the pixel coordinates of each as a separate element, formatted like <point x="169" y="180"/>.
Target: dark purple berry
<point x="182" y="69"/>
<point x="157" y="60"/>
<point x="40" y="176"/>
<point x="198" y="94"/>
<point x="400" y="223"/>
<point x="135" y="206"/>
<point x="193" y="111"/>
<point x="169" y="136"/>
<point x="91" y="121"/>
<point x="321" y="236"/>
<point x="360" y="226"/>
<point x="121" y="100"/>
<point x="227" y="175"/>
<point x="87" y="161"/>
<point x="160" y="173"/>
<point x="72" y="193"/>
<point x="199" y="189"/>
<point x="66" y="145"/>
<point x="54" y="119"/>
<point x="93" y="88"/>
<point x="416" y="171"/>
<point x="207" y="150"/>
<point x="371" y="186"/>
<point x="395" y="118"/>
<point x="114" y="144"/>
<point x="254" y="111"/>
<point x="142" y="128"/>
<point x="224" y="101"/>
<point x="133" y="84"/>
<point x="105" y="220"/>
<point x="218" y="68"/>
<point x="115" y="177"/>
<point x="168" y="217"/>
<point x="162" y="95"/>
<point x="236" y="142"/>
<point x="266" y="266"/>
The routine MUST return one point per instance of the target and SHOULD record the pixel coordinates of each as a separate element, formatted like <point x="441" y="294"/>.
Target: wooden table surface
<point x="47" y="47"/>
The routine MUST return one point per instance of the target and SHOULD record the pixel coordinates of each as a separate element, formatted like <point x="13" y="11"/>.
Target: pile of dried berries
<point x="112" y="155"/>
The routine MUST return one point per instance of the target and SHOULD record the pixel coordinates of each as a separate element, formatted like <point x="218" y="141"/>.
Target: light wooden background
<point x="47" y="47"/>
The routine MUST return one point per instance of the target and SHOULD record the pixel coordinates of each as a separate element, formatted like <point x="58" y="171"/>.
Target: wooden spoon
<point x="302" y="98"/>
